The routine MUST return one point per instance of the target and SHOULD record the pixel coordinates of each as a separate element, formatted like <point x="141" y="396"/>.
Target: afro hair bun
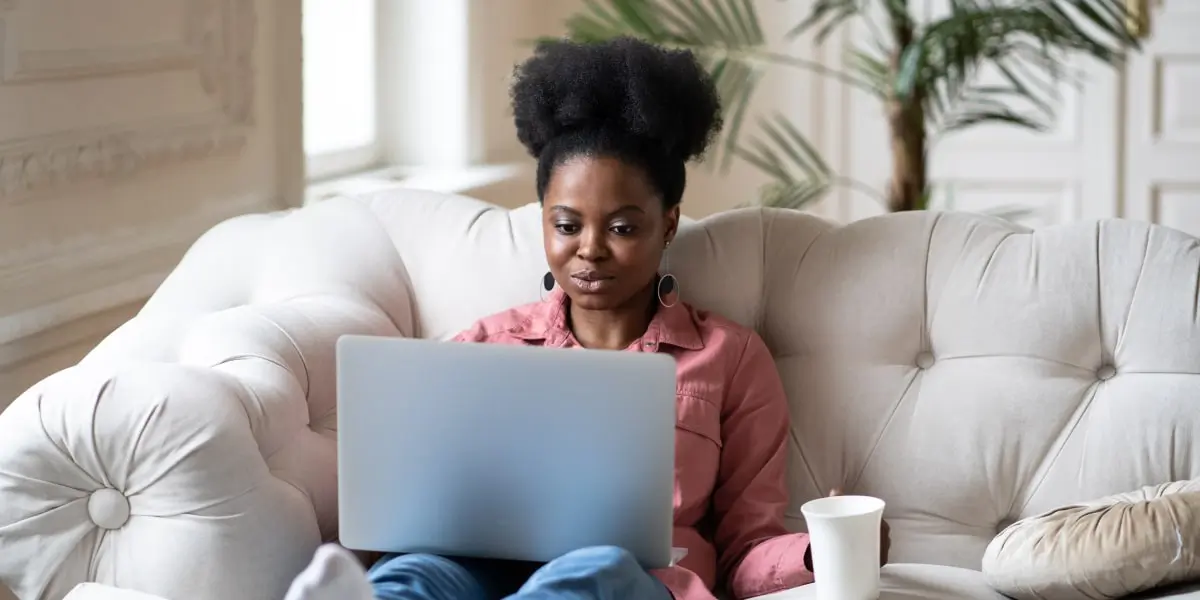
<point x="618" y="89"/>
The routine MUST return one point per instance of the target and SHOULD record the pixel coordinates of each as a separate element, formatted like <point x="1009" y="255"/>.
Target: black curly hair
<point x="624" y="98"/>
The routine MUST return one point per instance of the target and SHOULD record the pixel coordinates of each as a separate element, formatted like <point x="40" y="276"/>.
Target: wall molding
<point x="32" y="66"/>
<point x="217" y="42"/>
<point x="93" y="327"/>
<point x="143" y="255"/>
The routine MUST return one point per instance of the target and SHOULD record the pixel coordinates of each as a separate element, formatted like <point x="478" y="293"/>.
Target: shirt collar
<point x="671" y="326"/>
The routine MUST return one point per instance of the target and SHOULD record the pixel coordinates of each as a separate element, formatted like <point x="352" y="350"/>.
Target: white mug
<point x="843" y="536"/>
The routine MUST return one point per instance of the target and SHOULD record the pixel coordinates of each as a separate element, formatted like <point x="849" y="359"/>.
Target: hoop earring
<point x="666" y="289"/>
<point x="667" y="286"/>
<point x="547" y="284"/>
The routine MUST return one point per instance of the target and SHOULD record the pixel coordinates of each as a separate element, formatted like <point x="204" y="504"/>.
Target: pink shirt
<point x="730" y="439"/>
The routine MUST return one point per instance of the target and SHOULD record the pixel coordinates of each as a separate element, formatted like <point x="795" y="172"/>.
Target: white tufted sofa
<point x="966" y="370"/>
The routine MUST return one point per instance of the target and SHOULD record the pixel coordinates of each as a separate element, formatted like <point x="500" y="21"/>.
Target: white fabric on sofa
<point x="95" y="591"/>
<point x="966" y="370"/>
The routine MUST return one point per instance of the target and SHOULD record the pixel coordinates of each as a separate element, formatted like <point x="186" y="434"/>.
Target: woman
<point x="612" y="126"/>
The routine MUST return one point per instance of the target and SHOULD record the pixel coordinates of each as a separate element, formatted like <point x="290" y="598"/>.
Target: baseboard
<point x="32" y="359"/>
<point x="94" y="325"/>
<point x="27" y="333"/>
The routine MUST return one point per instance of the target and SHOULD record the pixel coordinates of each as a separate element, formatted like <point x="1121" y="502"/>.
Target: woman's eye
<point x="623" y="229"/>
<point x="566" y="228"/>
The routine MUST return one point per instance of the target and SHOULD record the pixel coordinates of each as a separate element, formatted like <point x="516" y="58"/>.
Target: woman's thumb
<point x="835" y="492"/>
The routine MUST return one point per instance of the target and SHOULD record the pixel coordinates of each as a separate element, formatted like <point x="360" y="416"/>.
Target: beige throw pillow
<point x="1108" y="548"/>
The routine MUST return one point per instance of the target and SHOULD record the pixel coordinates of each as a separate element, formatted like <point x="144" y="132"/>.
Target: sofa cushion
<point x="1104" y="549"/>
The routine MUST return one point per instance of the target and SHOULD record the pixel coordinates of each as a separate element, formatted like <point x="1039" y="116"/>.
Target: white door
<point x="1068" y="173"/>
<point x="1162" y="120"/>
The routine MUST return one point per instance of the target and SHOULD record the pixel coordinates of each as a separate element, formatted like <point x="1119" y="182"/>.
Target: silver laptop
<point x="508" y="452"/>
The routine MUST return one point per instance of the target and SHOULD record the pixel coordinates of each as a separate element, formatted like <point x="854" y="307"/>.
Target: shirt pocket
<point x="698" y="416"/>
<point x="697" y="454"/>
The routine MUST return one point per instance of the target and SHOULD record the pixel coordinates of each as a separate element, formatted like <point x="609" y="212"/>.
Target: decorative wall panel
<point x="1161" y="120"/>
<point x="210" y="41"/>
<point x="130" y="127"/>
<point x="1177" y="206"/>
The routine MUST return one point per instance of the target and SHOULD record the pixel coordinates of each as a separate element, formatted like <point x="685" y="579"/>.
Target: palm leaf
<point x="871" y="70"/>
<point x="975" y="116"/>
<point x="989" y="104"/>
<point x="724" y="35"/>
<point x="792" y="196"/>
<point x="735" y="82"/>
<point x="782" y="152"/>
<point x="1026" y="42"/>
<point x="828" y="15"/>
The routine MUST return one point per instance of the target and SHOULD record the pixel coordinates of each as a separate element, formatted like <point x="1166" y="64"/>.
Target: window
<point x="340" y="115"/>
<point x="413" y="93"/>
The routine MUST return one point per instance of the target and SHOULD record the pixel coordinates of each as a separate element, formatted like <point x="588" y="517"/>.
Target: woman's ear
<point x="671" y="224"/>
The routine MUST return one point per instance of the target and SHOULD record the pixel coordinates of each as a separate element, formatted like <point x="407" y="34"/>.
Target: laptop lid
<point x="501" y="451"/>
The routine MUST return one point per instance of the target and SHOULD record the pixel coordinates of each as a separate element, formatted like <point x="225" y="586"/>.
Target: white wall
<point x="1126" y="143"/>
<point x="127" y="128"/>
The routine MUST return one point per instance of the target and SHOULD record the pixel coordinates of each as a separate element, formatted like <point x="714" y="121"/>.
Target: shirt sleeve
<point x="755" y="552"/>
<point x="474" y="333"/>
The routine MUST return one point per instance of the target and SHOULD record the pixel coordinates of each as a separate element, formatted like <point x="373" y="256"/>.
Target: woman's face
<point x="604" y="229"/>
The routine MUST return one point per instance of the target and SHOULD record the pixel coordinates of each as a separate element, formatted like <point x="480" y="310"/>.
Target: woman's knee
<point x="422" y="576"/>
<point x="600" y="558"/>
<point x="600" y="572"/>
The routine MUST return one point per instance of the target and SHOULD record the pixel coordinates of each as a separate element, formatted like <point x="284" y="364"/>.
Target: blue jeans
<point x="600" y="573"/>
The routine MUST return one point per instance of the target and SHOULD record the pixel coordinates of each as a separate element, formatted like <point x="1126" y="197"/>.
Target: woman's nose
<point x="592" y="247"/>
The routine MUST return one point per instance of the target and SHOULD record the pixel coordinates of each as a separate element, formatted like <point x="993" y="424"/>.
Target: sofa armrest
<point x="148" y="478"/>
<point x="209" y="474"/>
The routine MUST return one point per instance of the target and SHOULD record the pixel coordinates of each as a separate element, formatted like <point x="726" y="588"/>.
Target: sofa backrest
<point x="967" y="370"/>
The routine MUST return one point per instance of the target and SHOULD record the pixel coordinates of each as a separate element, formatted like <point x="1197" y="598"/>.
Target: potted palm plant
<point x="927" y="74"/>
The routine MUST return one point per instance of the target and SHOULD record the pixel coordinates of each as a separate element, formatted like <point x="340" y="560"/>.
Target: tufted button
<point x="1106" y="372"/>
<point x="108" y="508"/>
<point x="925" y="360"/>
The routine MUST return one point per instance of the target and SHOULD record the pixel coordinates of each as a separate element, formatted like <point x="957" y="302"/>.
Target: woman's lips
<point x="592" y="283"/>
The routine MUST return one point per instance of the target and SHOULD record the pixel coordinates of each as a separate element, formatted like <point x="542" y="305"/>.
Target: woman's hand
<point x="885" y="540"/>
